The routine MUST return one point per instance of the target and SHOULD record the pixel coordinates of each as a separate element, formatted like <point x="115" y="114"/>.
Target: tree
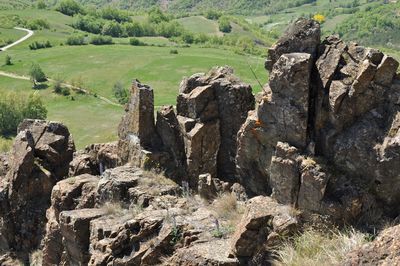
<point x="8" y="60"/>
<point x="41" y="4"/>
<point x="37" y="75"/>
<point x="70" y="8"/>
<point x="112" y="28"/>
<point x="224" y="25"/>
<point x="121" y="93"/>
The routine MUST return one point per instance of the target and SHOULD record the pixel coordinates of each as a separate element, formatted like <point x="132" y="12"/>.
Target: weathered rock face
<point x="384" y="250"/>
<point x="70" y="194"/>
<point x="263" y="223"/>
<point x="303" y="36"/>
<point x="212" y="108"/>
<point x="281" y="116"/>
<point x="95" y="159"/>
<point x="39" y="159"/>
<point x="137" y="129"/>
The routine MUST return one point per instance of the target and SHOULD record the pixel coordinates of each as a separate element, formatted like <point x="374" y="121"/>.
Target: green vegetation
<point x="315" y="248"/>
<point x="377" y="24"/>
<point x="14" y="108"/>
<point x="8" y="60"/>
<point x="224" y="25"/>
<point x="37" y="75"/>
<point x="121" y="93"/>
<point x="38" y="45"/>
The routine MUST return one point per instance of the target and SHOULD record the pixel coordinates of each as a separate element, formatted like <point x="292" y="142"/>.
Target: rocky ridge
<point x="322" y="139"/>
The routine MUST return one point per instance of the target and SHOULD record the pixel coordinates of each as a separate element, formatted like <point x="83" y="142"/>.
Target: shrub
<point x="112" y="28"/>
<point x="134" y="29"/>
<point x="76" y="40"/>
<point x="37" y="45"/>
<point x="136" y="42"/>
<point x="173" y="51"/>
<point x="101" y="40"/>
<point x="60" y="89"/>
<point x="120" y="93"/>
<point x="224" y="25"/>
<point x="16" y="107"/>
<point x="38" y="24"/>
<point x="157" y="16"/>
<point x="88" y="23"/>
<point x="69" y="8"/>
<point x="37" y="75"/>
<point x="188" y="37"/>
<point x="212" y="14"/>
<point x="8" y="60"/>
<point x="110" y="13"/>
<point x="41" y="4"/>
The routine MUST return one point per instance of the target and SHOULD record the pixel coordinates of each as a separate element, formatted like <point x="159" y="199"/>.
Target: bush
<point x="41" y="4"/>
<point x="37" y="45"/>
<point x="115" y="14"/>
<point x="76" y="40"/>
<point x="212" y="14"/>
<point x="69" y="8"/>
<point x="173" y="51"/>
<point x="38" y="24"/>
<point x="8" y="60"/>
<point x="134" y="29"/>
<point x="224" y="25"/>
<point x="136" y="42"/>
<point x="113" y="29"/>
<point x="157" y="16"/>
<point x="60" y="89"/>
<point x="120" y="93"/>
<point x="37" y="75"/>
<point x="88" y="23"/>
<point x="16" y="107"/>
<point x="188" y="37"/>
<point x="101" y="40"/>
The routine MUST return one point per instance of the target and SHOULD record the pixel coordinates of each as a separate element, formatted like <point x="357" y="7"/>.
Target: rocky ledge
<point x="223" y="177"/>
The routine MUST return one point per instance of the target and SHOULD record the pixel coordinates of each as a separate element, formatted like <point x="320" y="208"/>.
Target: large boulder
<point x="384" y="250"/>
<point x="263" y="222"/>
<point x="39" y="158"/>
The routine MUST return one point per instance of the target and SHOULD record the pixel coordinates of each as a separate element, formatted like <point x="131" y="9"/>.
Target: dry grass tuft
<point x="227" y="208"/>
<point x="36" y="258"/>
<point x="152" y="178"/>
<point x="113" y="208"/>
<point x="315" y="248"/>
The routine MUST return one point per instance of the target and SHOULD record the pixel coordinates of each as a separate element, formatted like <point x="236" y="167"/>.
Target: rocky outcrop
<point x="219" y="103"/>
<point x="137" y="129"/>
<point x="94" y="159"/>
<point x="384" y="250"/>
<point x="282" y="115"/>
<point x="303" y="36"/>
<point x="263" y="223"/>
<point x="39" y="159"/>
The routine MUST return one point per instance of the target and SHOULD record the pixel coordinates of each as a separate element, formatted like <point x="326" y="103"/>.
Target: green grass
<point x="89" y="119"/>
<point x="100" y="67"/>
<point x="11" y="34"/>
<point x="200" y="24"/>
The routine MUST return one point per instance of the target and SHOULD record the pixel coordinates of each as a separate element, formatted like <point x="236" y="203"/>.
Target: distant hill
<point x="230" y="6"/>
<point x="376" y="25"/>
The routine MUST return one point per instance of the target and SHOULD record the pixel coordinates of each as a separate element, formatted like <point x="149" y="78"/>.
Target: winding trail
<point x="26" y="37"/>
<point x="72" y="87"/>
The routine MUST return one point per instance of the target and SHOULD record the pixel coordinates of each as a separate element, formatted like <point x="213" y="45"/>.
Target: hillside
<point x="237" y="6"/>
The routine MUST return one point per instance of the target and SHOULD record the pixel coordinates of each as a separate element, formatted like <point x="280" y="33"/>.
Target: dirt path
<point x="72" y="87"/>
<point x="30" y="33"/>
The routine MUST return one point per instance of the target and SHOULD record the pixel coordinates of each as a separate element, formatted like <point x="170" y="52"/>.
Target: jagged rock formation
<point x="323" y="139"/>
<point x="39" y="159"/>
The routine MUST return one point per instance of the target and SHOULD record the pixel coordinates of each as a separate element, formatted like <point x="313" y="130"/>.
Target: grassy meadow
<point x="98" y="68"/>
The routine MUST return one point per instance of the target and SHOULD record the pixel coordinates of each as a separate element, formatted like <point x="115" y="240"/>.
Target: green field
<point x="89" y="119"/>
<point x="200" y="24"/>
<point x="98" y="68"/>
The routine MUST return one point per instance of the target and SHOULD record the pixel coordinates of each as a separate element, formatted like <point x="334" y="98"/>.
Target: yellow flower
<point x="320" y="18"/>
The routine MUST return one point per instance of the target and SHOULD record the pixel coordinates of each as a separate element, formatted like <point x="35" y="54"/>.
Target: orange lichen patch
<point x="258" y="123"/>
